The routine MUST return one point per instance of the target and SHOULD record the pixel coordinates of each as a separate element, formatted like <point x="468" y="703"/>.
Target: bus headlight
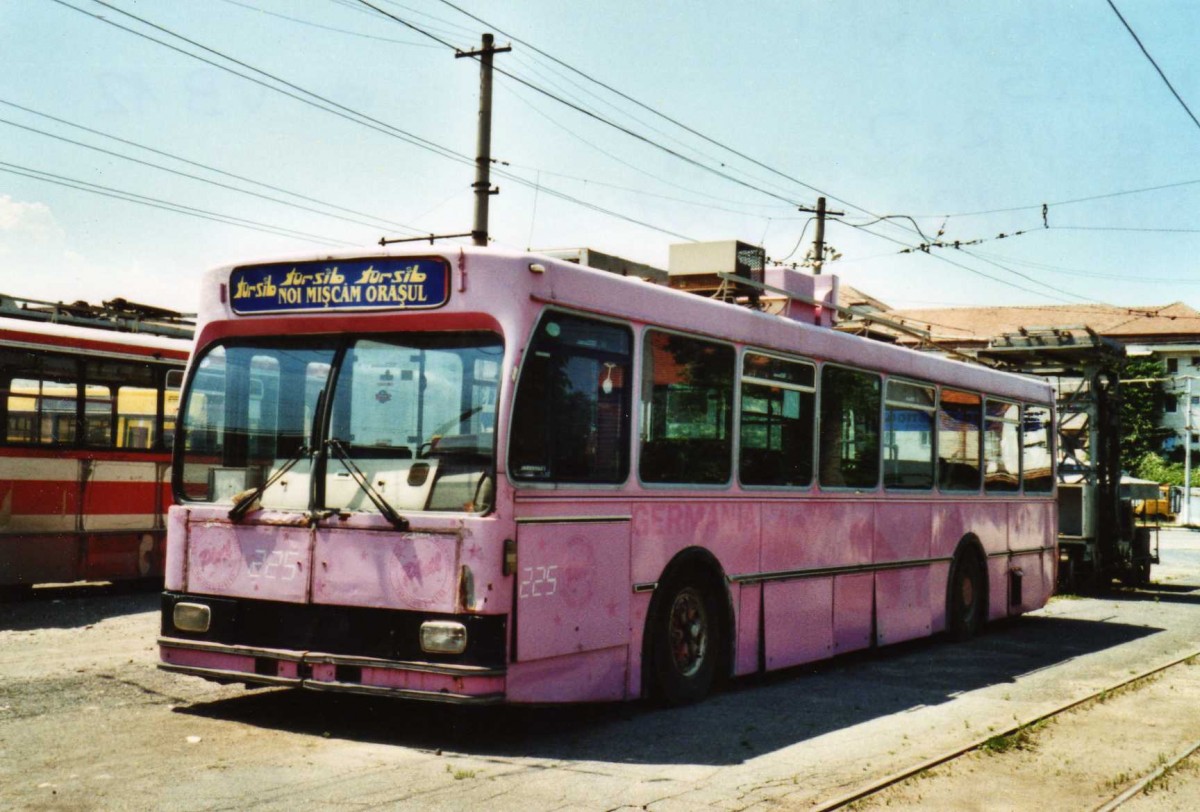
<point x="443" y="637"/>
<point x="192" y="617"/>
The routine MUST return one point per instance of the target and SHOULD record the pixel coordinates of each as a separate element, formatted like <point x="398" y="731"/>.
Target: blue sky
<point x="907" y="108"/>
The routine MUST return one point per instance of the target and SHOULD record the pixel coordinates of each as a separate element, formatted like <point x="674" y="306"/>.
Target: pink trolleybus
<point x="466" y="475"/>
<point x="88" y="420"/>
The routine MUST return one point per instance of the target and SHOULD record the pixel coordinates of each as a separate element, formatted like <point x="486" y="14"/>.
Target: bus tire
<point x="685" y="638"/>
<point x="966" y="601"/>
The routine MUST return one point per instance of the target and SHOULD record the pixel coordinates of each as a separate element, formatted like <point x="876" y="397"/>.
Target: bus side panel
<point x="904" y="607"/>
<point x="1034" y="526"/>
<point x="801" y="614"/>
<point x="853" y="599"/>
<point x="988" y="522"/>
<point x="572" y="588"/>
<point x="587" y="676"/>
<point x="175" y="568"/>
<point x="729" y="529"/>
<point x="749" y="598"/>
<point x="799" y="621"/>
<point x="731" y="532"/>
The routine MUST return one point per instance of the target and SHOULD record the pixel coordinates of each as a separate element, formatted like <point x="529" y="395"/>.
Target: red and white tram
<point x="88" y="396"/>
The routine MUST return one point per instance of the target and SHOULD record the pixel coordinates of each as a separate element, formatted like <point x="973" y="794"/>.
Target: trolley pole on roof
<point x="483" y="152"/>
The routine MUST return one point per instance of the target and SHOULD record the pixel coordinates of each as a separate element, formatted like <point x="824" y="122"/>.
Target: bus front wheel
<point x="685" y="639"/>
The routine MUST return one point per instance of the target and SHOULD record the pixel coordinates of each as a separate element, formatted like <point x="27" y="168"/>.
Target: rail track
<point x="1127" y="793"/>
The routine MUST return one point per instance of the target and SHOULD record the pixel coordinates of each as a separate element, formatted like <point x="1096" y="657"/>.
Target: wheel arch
<point x="703" y="562"/>
<point x="969" y="545"/>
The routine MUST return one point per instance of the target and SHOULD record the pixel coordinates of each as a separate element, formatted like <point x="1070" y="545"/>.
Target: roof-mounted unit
<point x="592" y="258"/>
<point x="696" y="267"/>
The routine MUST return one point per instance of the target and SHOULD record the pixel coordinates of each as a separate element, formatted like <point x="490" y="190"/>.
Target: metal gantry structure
<point x="1098" y="537"/>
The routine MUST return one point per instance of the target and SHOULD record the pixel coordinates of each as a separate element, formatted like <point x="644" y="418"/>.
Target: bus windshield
<point x="414" y="413"/>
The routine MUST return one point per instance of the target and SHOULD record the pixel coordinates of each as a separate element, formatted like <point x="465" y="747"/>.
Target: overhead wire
<point x="349" y="114"/>
<point x="165" y="205"/>
<point x="321" y="102"/>
<point x="204" y="166"/>
<point x="1146" y="53"/>
<point x="611" y="156"/>
<point x="713" y="141"/>
<point x="445" y="152"/>
<point x="188" y="175"/>
<point x="1072" y="201"/>
<point x="334" y="29"/>
<point x="657" y="112"/>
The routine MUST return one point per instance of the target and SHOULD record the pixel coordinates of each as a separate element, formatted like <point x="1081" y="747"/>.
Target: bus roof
<point x="529" y="281"/>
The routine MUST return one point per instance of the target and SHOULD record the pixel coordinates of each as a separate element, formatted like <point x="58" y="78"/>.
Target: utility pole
<point x="1187" y="458"/>
<point x="819" y="241"/>
<point x="483" y="150"/>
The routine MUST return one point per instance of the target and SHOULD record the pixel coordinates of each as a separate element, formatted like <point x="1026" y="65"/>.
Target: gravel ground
<point x="88" y="722"/>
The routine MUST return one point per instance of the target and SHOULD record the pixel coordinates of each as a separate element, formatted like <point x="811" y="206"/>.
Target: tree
<point x="1142" y="398"/>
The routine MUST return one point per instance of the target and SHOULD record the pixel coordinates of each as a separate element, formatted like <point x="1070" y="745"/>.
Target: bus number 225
<point x="275" y="565"/>
<point x="539" y="582"/>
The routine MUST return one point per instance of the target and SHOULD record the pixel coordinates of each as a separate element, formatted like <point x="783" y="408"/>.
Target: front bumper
<point x="347" y="649"/>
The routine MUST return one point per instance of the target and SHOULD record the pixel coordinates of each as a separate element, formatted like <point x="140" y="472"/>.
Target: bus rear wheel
<point x="685" y="627"/>
<point x="967" y="598"/>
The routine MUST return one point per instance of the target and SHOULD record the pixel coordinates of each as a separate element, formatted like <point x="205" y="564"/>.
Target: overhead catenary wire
<point x="330" y="28"/>
<point x="341" y="111"/>
<point x="187" y="175"/>
<point x="389" y="129"/>
<point x="166" y="205"/>
<point x="204" y="166"/>
<point x="595" y="116"/>
<point x="1146" y="53"/>
<point x="316" y="100"/>
<point x="660" y="114"/>
<point x="698" y="164"/>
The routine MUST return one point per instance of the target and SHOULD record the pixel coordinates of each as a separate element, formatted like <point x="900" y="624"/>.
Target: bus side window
<point x="572" y="409"/>
<point x="1037" y="450"/>
<point x="960" y="426"/>
<point x="908" y="414"/>
<point x="777" y="421"/>
<point x="687" y="410"/>
<point x="850" y="441"/>
<point x="1001" y="447"/>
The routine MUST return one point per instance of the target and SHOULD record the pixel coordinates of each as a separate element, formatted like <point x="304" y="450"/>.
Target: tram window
<point x="777" y="421"/>
<point x="960" y="423"/>
<point x="571" y="418"/>
<point x="687" y="410"/>
<point x="121" y="407"/>
<point x="24" y="396"/>
<point x="1001" y="447"/>
<point x="41" y="411"/>
<point x="97" y="415"/>
<point x="137" y="410"/>
<point x="850" y="441"/>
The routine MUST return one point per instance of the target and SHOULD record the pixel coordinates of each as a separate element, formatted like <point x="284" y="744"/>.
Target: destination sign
<point x="378" y="283"/>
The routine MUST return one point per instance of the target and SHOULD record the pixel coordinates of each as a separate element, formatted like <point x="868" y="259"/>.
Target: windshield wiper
<point x="389" y="512"/>
<point x="245" y="500"/>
